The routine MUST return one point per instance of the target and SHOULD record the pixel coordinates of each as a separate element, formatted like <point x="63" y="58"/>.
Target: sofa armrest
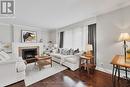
<point x="20" y="66"/>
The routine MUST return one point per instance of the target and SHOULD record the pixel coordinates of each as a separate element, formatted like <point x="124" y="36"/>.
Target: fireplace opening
<point x="29" y="54"/>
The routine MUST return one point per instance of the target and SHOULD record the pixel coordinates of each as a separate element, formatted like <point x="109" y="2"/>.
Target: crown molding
<point x="113" y="8"/>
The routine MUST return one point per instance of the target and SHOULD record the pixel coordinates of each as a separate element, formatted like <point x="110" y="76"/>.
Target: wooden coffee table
<point x="43" y="60"/>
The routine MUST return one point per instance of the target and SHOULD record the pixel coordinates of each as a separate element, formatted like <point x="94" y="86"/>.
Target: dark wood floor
<point x="70" y="78"/>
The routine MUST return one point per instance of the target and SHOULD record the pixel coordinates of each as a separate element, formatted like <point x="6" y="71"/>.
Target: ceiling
<point x="53" y="14"/>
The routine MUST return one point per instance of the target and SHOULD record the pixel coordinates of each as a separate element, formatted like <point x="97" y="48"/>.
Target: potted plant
<point x="128" y="53"/>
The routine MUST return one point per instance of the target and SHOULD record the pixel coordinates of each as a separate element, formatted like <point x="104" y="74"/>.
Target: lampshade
<point x="89" y="47"/>
<point x="124" y="36"/>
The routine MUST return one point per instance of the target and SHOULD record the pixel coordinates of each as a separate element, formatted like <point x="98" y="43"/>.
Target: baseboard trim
<point x="104" y="70"/>
<point x="15" y="83"/>
<point x="122" y="75"/>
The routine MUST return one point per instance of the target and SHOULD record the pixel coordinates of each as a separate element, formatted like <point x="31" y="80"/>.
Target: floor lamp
<point x="124" y="37"/>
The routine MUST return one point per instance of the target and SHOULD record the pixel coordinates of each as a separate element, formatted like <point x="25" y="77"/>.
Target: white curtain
<point x="75" y="38"/>
<point x="68" y="39"/>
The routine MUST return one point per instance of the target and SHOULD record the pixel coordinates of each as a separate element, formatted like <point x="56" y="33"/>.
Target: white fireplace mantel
<point x="16" y="46"/>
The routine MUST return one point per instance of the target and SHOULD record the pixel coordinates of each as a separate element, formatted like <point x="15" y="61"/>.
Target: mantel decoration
<point x="29" y="36"/>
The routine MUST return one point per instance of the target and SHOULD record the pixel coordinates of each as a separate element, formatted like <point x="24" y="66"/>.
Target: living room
<point x="64" y="32"/>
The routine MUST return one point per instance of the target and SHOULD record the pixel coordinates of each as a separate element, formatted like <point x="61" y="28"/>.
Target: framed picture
<point x="29" y="36"/>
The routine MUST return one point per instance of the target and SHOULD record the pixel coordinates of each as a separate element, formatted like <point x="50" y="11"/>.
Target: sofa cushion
<point x="71" y="60"/>
<point x="57" y="55"/>
<point x="67" y="56"/>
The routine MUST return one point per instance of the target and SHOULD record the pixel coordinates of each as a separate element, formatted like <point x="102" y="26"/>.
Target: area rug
<point x="33" y="74"/>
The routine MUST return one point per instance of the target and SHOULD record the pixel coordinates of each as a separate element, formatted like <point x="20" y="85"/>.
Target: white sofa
<point x="70" y="61"/>
<point x="12" y="70"/>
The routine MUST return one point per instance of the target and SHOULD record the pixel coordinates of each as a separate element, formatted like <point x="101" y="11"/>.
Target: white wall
<point x="52" y="36"/>
<point x="109" y="27"/>
<point x="45" y="37"/>
<point x="40" y="33"/>
<point x="6" y="33"/>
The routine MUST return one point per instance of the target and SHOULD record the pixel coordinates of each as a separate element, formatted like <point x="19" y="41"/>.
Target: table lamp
<point x="89" y="49"/>
<point x="124" y="37"/>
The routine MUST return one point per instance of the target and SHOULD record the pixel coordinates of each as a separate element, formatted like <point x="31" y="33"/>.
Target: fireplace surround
<point x="18" y="47"/>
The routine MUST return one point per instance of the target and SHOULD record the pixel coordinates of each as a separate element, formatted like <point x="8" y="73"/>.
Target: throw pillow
<point x="65" y="52"/>
<point x="58" y="50"/>
<point x="61" y="51"/>
<point x="71" y="51"/>
<point x="68" y="52"/>
<point x="76" y="51"/>
<point x="1" y="58"/>
<point x="4" y="55"/>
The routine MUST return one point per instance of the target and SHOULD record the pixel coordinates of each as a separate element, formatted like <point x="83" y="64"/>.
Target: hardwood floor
<point x="70" y="78"/>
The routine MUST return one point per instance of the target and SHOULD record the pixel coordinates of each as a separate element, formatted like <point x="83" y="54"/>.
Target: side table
<point x="85" y="61"/>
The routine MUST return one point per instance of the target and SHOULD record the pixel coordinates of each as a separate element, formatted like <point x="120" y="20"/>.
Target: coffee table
<point x="43" y="60"/>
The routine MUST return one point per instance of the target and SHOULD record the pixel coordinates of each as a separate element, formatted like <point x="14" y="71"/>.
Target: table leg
<point x="126" y="72"/>
<point x="114" y="78"/>
<point x="51" y="62"/>
<point x="113" y="72"/>
<point x="80" y="64"/>
<point x="118" y="73"/>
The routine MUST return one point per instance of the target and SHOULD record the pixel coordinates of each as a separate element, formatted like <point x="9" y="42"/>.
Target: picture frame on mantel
<point x="28" y="36"/>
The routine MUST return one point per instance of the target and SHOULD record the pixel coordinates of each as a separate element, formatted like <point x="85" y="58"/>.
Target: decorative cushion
<point x="68" y="52"/>
<point x="2" y="58"/>
<point x="65" y="52"/>
<point x="4" y="55"/>
<point x="71" y="51"/>
<point x="55" y="51"/>
<point x="76" y="51"/>
<point x="61" y="50"/>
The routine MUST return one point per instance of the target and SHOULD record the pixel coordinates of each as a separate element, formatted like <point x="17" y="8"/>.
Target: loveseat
<point x="67" y="58"/>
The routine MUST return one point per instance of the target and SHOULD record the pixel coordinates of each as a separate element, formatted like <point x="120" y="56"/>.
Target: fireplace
<point x="29" y="53"/>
